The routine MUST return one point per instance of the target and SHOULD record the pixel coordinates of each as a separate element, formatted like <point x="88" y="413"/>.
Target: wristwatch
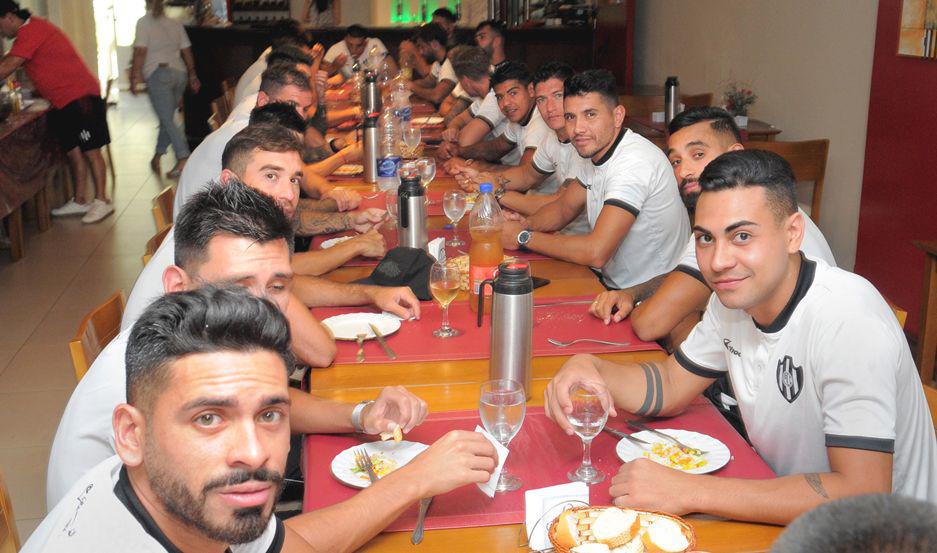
<point x="522" y="238"/>
<point x="499" y="193"/>
<point x="356" y="416"/>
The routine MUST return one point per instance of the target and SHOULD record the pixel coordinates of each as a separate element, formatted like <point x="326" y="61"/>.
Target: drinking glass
<point x="501" y="407"/>
<point x="444" y="281"/>
<point x="587" y="418"/>
<point x="391" y="198"/>
<point x="427" y="167"/>
<point x="411" y="139"/>
<point x="453" y="203"/>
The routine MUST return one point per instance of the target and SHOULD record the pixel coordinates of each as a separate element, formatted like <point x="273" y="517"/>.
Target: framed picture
<point x="917" y="36"/>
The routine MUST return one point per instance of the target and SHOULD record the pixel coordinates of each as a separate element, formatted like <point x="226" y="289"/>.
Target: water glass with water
<point x="587" y="419"/>
<point x="502" y="407"/>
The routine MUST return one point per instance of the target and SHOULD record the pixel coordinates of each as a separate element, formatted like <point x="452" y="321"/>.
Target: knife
<point x="417" y="536"/>
<point x="618" y="434"/>
<point x="380" y="340"/>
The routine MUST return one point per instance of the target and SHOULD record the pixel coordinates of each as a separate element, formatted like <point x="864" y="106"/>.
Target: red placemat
<point x="552" y="319"/>
<point x="539" y="440"/>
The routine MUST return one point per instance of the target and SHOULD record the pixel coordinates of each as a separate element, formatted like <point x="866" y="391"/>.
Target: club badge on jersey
<point x="790" y="379"/>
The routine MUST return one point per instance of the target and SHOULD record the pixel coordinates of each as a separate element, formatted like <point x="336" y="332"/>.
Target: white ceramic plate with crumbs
<point x="428" y="120"/>
<point x="349" y="170"/>
<point x="385" y="456"/>
<point x="349" y="325"/>
<point x="333" y="241"/>
<point x="664" y="452"/>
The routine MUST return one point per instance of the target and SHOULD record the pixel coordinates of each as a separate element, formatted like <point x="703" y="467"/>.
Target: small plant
<point x="738" y="100"/>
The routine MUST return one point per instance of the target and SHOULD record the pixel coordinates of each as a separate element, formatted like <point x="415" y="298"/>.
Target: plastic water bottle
<point x="486" y="251"/>
<point x="402" y="105"/>
<point x="387" y="178"/>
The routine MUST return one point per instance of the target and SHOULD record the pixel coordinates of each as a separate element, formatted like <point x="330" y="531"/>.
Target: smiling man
<point x="823" y="373"/>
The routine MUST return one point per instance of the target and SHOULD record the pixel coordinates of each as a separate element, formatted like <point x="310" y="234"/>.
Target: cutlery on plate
<point x="683" y="447"/>
<point x="360" y="339"/>
<point x="622" y="435"/>
<point x="363" y="461"/>
<point x="560" y="344"/>
<point x="380" y="340"/>
<point x="417" y="536"/>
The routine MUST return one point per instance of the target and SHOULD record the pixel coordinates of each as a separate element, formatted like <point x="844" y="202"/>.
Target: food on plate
<point x="349" y="170"/>
<point x="396" y="435"/>
<point x="670" y="455"/>
<point x="381" y="464"/>
<point x="663" y="535"/>
<point x="616" y="527"/>
<point x="618" y="530"/>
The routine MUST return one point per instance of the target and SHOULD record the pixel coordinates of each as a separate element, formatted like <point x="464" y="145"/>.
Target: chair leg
<point x="15" y="233"/>
<point x="43" y="214"/>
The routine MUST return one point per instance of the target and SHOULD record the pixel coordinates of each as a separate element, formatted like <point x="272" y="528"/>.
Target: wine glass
<point x="453" y="203"/>
<point x="444" y="281"/>
<point x="427" y="167"/>
<point x="390" y="196"/>
<point x="411" y="139"/>
<point x="587" y="419"/>
<point x="501" y="407"/>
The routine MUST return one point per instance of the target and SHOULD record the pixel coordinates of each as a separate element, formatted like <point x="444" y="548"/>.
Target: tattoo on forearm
<point x="813" y="479"/>
<point x="313" y="222"/>
<point x="654" y="397"/>
<point x="643" y="291"/>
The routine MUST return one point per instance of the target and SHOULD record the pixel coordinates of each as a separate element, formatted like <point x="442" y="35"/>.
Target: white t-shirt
<point x="444" y="72"/>
<point x="102" y="513"/>
<point x="487" y="110"/>
<point x="833" y="370"/>
<point x="163" y="38"/>
<point x="149" y="284"/>
<point x="636" y="176"/>
<point x="814" y="245"/>
<point x="249" y="83"/>
<point x="559" y="160"/>
<point x="340" y="48"/>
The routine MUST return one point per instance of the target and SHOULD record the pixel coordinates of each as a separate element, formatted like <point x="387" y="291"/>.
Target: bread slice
<point x="633" y="546"/>
<point x="664" y="536"/>
<point x="616" y="527"/>
<point x="591" y="548"/>
<point x="397" y="435"/>
<point x="567" y="529"/>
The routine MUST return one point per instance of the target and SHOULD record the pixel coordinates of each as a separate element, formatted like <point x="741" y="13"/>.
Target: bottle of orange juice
<point x="486" y="251"/>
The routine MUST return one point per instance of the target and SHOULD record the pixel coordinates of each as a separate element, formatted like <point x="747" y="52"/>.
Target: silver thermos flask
<point x="512" y="322"/>
<point x="411" y="211"/>
<point x="371" y="95"/>
<point x="671" y="99"/>
<point x="371" y="146"/>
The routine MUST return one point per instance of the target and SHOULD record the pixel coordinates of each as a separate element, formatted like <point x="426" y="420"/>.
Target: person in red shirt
<point x="78" y="116"/>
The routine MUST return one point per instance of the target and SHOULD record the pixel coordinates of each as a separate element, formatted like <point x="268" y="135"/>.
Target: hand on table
<point x="398" y="300"/>
<point x="509" y="234"/>
<point x="601" y="308"/>
<point x="450" y="135"/>
<point x="447" y="149"/>
<point x="511" y="215"/>
<point x="345" y="199"/>
<point x="556" y="403"/>
<point x="394" y="407"/>
<point x="457" y="459"/>
<point x="456" y="164"/>
<point x="370" y="244"/>
<point x="367" y="219"/>
<point x="644" y="484"/>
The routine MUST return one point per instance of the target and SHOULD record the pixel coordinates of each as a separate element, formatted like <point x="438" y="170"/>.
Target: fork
<point x="683" y="447"/>
<point x="363" y="462"/>
<point x="560" y="344"/>
<point x="360" y="339"/>
<point x="371" y="197"/>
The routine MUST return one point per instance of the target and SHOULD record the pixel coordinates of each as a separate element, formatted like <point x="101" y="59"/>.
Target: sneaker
<point x="99" y="210"/>
<point x="71" y="208"/>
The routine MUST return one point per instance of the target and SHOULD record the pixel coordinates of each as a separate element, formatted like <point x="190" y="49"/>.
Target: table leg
<point x="927" y="336"/>
<point x="43" y="214"/>
<point x="15" y="233"/>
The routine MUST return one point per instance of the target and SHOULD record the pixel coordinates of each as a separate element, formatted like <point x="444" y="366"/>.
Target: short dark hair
<point x="356" y="31"/>
<point x="446" y="14"/>
<point x="745" y="168"/>
<point x="287" y="30"/>
<point x="232" y="208"/>
<point x="552" y="70"/>
<point x="431" y="32"/>
<point x="205" y="320"/>
<point x="874" y="523"/>
<point x="470" y="61"/>
<point x="289" y="53"/>
<point x="280" y="75"/>
<point x="600" y="81"/>
<point x="719" y="119"/>
<point x="278" y="113"/>
<point x="9" y="6"/>
<point x="260" y="136"/>
<point x="511" y="71"/>
<point x="493" y="24"/>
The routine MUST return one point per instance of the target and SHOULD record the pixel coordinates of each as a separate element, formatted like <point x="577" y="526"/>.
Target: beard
<point x="245" y="526"/>
<point x="689" y="198"/>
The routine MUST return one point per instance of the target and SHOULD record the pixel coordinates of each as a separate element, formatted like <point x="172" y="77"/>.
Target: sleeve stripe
<point x="690" y="271"/>
<point x="485" y="120"/>
<point x="695" y="368"/>
<point x="882" y="445"/>
<point x="541" y="171"/>
<point x="624" y="205"/>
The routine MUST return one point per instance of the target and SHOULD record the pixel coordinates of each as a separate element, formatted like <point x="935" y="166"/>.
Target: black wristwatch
<point x="523" y="237"/>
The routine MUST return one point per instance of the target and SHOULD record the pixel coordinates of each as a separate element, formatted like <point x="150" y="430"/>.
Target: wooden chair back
<point x="220" y="109"/>
<point x="930" y="393"/>
<point x="153" y="244"/>
<point x="227" y="88"/>
<point x="96" y="330"/>
<point x="808" y="159"/>
<point x="900" y="313"/>
<point x="163" y="207"/>
<point x="9" y="536"/>
<point x="644" y="106"/>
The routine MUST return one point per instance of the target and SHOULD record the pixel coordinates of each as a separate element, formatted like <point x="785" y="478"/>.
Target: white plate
<point x="400" y="452"/>
<point x="717" y="454"/>
<point x="333" y="241"/>
<point x="349" y="170"/>
<point x="350" y="325"/>
<point x="428" y="120"/>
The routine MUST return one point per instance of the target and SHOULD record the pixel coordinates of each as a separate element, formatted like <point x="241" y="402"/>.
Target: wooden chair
<point x="930" y="393"/>
<point x="220" y="109"/>
<point x="900" y="313"/>
<point x="163" y="207"/>
<point x="228" y="87"/>
<point x="808" y="159"/>
<point x="644" y="106"/>
<point x="96" y="330"/>
<point x="153" y="244"/>
<point x="9" y="536"/>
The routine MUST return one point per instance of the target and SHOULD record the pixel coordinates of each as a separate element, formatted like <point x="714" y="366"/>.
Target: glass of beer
<point x="444" y="280"/>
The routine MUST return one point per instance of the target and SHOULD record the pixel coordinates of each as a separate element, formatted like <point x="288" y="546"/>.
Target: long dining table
<point x="451" y="385"/>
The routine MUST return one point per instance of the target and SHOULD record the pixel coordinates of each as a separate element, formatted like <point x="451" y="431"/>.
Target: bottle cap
<point x="485" y="187"/>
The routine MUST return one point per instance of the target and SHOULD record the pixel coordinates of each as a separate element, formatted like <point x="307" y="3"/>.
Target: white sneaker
<point x="71" y="208"/>
<point x="99" y="210"/>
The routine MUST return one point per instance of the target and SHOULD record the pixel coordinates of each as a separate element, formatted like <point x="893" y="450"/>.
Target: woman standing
<point x="162" y="57"/>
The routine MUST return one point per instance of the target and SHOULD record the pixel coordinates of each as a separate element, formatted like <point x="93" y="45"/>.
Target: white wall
<point x="809" y="61"/>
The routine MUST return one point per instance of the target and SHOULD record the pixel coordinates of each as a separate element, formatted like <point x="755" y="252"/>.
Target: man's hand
<point x="450" y="135"/>
<point x="509" y="234"/>
<point x="601" y="308"/>
<point x="345" y="200"/>
<point x="394" y="407"/>
<point x="447" y="149"/>
<point x="398" y="300"/>
<point x="456" y="165"/>
<point x="317" y="52"/>
<point x="367" y="219"/>
<point x="644" y="484"/>
<point x="339" y="61"/>
<point x="511" y="215"/>
<point x="134" y="83"/>
<point x="457" y="459"/>
<point x="371" y="244"/>
<point x="322" y="83"/>
<point x="353" y="152"/>
<point x="194" y="84"/>
<point x="556" y="403"/>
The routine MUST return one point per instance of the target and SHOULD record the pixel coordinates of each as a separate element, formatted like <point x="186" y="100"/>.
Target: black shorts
<point x="81" y="124"/>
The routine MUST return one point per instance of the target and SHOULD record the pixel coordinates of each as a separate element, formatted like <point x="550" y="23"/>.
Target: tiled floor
<point x="67" y="271"/>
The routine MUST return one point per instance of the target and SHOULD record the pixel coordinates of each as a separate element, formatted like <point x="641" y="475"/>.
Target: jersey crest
<point x="790" y="379"/>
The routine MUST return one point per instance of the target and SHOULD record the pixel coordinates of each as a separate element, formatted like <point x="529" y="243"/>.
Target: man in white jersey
<point x="357" y="48"/>
<point x="638" y="226"/>
<point x="225" y="236"/>
<point x="671" y="304"/>
<point x="202" y="441"/>
<point x="430" y="42"/>
<point x="822" y="371"/>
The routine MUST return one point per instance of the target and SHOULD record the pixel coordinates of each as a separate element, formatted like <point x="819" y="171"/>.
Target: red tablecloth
<point x="565" y="322"/>
<point x="541" y="455"/>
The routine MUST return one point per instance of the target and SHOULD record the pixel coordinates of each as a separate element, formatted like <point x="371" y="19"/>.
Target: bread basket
<point x="687" y="529"/>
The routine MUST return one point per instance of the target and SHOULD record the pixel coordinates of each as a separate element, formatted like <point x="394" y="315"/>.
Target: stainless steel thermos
<point x="671" y="99"/>
<point x="411" y="210"/>
<point x="512" y="322"/>
<point x="371" y="95"/>
<point x="369" y="128"/>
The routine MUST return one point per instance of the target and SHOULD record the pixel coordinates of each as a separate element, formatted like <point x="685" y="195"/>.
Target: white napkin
<point x="545" y="504"/>
<point x="489" y="487"/>
<point x="437" y="248"/>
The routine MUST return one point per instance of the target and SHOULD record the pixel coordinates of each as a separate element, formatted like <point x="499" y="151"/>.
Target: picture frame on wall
<point x="917" y="36"/>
